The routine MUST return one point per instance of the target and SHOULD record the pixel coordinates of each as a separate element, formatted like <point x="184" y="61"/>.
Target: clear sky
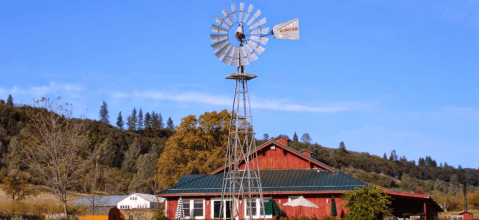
<point x="378" y="75"/>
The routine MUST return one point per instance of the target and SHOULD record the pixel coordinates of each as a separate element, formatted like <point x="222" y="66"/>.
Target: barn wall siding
<point x="279" y="158"/>
<point x="323" y="202"/>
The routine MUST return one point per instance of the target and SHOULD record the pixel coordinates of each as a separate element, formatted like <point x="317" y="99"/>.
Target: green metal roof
<point x="271" y="181"/>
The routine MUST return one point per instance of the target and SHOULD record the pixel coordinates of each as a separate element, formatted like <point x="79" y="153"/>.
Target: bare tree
<point x="57" y="149"/>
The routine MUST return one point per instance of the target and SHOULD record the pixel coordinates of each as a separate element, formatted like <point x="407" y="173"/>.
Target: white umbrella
<point x="180" y="213"/>
<point x="301" y="201"/>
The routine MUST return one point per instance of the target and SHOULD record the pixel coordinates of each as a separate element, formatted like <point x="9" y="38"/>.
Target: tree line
<point x="136" y="120"/>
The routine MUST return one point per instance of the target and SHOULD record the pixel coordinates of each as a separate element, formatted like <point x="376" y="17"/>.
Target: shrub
<point x="21" y="216"/>
<point x="303" y="218"/>
<point x="327" y="217"/>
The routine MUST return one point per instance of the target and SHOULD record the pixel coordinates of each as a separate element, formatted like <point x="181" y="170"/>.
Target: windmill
<point x="237" y="39"/>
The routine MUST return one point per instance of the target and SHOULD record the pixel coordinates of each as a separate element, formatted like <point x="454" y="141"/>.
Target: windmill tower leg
<point x="241" y="182"/>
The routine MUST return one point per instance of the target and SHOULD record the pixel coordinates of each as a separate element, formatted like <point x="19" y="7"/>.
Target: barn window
<point x="198" y="208"/>
<point x="194" y="208"/>
<point x="225" y="211"/>
<point x="251" y="208"/>
<point x="257" y="209"/>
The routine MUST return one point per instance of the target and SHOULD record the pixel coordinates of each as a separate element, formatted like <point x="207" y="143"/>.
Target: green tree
<point x="10" y="100"/>
<point x="16" y="185"/>
<point x="132" y="120"/>
<point x="265" y="136"/>
<point x="342" y="146"/>
<point x="197" y="146"/>
<point x="170" y="124"/>
<point x="147" y="120"/>
<point x="119" y="121"/>
<point x="295" y="137"/>
<point x="421" y="162"/>
<point x="146" y="166"/>
<point x="140" y="120"/>
<point x="306" y="138"/>
<point x="104" y="113"/>
<point x="368" y="202"/>
<point x="385" y="156"/>
<point x="110" y="152"/>
<point x="155" y="123"/>
<point x="131" y="156"/>
<point x="160" y="121"/>
<point x="393" y="156"/>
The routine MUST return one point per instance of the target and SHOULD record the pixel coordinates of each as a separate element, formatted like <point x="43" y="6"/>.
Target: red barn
<point x="285" y="174"/>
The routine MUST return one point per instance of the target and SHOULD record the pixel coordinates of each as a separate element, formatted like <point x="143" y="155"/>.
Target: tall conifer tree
<point x="160" y="121"/>
<point x="119" y="121"/>
<point x="10" y="100"/>
<point x="147" y="120"/>
<point x="132" y="120"/>
<point x="295" y="137"/>
<point x="104" y="113"/>
<point x="170" y="124"/>
<point x="154" y="120"/>
<point x="140" y="120"/>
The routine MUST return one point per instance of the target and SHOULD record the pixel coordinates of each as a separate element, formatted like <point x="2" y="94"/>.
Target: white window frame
<point x="192" y="207"/>
<point x="257" y="202"/>
<point x="212" y="207"/>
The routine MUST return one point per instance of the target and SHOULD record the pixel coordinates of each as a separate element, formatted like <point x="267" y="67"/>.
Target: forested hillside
<point x="122" y="154"/>
<point x="149" y="157"/>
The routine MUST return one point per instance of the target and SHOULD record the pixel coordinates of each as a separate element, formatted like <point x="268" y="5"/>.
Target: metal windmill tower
<point x="237" y="39"/>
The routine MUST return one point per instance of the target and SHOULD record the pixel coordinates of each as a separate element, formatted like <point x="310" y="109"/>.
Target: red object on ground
<point x="115" y="214"/>
<point x="466" y="215"/>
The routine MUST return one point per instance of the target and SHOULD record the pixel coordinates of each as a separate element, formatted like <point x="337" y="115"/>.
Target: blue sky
<point x="378" y="75"/>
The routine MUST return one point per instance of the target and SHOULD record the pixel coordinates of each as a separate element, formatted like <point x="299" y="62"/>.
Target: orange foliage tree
<point x="198" y="146"/>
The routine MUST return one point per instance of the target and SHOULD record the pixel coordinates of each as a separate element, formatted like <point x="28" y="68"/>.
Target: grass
<point x="474" y="212"/>
<point x="46" y="201"/>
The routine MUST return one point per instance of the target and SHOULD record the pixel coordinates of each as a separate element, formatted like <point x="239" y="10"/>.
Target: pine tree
<point x="129" y="123"/>
<point x="170" y="124"/>
<point x="385" y="156"/>
<point x="104" y="113"/>
<point x="140" y="120"/>
<point x="147" y="120"/>
<point x="160" y="121"/>
<point x="10" y="100"/>
<point x="342" y="146"/>
<point x="119" y="121"/>
<point x="132" y="120"/>
<point x="154" y="120"/>
<point x="295" y="137"/>
<point x="421" y="162"/>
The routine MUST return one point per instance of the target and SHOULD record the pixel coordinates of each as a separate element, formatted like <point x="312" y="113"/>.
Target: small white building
<point x="140" y="201"/>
